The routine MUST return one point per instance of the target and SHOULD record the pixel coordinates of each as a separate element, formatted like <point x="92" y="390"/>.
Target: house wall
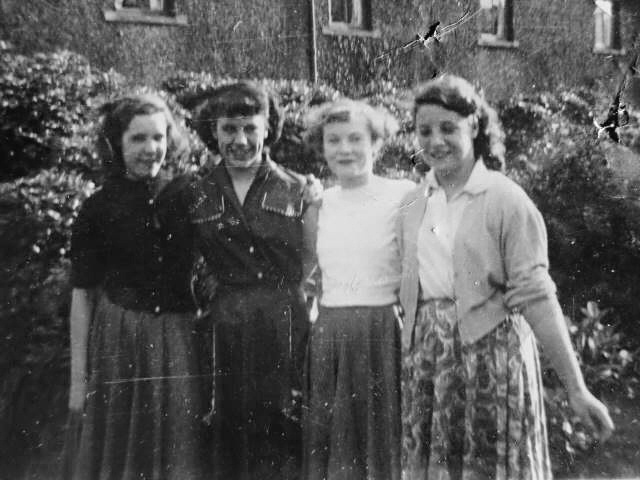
<point x="261" y="38"/>
<point x="269" y="38"/>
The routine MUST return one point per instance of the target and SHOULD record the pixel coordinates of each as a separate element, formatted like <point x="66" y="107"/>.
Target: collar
<point x="477" y="182"/>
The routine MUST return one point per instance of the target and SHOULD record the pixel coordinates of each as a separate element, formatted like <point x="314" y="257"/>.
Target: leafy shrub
<point x="607" y="367"/>
<point x="36" y="214"/>
<point x="46" y="104"/>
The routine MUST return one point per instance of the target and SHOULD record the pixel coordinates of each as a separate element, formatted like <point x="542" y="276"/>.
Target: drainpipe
<point x="313" y="51"/>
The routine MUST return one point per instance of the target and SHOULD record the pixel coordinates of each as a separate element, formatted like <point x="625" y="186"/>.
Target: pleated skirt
<point x="472" y="411"/>
<point x="148" y="392"/>
<point x="352" y="421"/>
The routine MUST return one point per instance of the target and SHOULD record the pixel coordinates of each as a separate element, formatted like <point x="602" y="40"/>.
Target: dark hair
<point x="457" y="94"/>
<point x="381" y="123"/>
<point x="117" y="116"/>
<point x="237" y="100"/>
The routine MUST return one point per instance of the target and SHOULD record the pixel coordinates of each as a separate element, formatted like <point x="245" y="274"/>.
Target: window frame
<point x="166" y="15"/>
<point x="364" y="28"/>
<point x="613" y="44"/>
<point x="505" y="35"/>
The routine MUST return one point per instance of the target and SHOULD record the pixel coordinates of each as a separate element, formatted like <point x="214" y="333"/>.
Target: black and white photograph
<point x="319" y="240"/>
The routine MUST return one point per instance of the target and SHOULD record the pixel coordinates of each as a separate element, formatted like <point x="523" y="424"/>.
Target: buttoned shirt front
<point x="259" y="242"/>
<point x="438" y="230"/>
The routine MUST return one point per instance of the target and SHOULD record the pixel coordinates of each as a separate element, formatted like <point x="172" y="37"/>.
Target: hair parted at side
<point x="239" y="99"/>
<point x="116" y="117"/>
<point x="457" y="94"/>
<point x="382" y="125"/>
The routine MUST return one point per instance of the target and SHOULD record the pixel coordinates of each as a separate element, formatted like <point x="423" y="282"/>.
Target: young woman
<point x="477" y="295"/>
<point x="353" y="421"/>
<point x="248" y="214"/>
<point x="135" y="360"/>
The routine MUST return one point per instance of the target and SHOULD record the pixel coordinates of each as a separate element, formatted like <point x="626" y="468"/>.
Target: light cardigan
<point x="499" y="254"/>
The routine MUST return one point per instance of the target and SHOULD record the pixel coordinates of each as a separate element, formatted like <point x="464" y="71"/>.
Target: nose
<point x="150" y="145"/>
<point x="240" y="137"/>
<point x="435" y="138"/>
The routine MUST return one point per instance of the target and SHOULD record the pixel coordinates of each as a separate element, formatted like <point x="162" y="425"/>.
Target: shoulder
<point x="412" y="194"/>
<point x="286" y="176"/>
<point x="510" y="200"/>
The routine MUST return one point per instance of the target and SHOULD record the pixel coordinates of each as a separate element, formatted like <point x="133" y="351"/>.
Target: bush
<point x="46" y="107"/>
<point x="36" y="215"/>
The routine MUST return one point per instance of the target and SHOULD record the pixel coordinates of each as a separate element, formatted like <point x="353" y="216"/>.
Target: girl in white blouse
<point x="353" y="428"/>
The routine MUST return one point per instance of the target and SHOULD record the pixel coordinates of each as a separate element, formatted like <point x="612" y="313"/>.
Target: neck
<point x="355" y="182"/>
<point x="453" y="181"/>
<point x="240" y="174"/>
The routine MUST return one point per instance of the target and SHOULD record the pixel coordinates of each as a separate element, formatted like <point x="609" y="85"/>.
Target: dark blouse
<point x="259" y="242"/>
<point x="125" y="241"/>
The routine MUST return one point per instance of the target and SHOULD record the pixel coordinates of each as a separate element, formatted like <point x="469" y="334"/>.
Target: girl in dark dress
<point x="135" y="361"/>
<point x="249" y="217"/>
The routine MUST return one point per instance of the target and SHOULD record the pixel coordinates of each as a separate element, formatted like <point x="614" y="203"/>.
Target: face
<point x="241" y="140"/>
<point x="349" y="149"/>
<point x="144" y="146"/>
<point x="446" y="139"/>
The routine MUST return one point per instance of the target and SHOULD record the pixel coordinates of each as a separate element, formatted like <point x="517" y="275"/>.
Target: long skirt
<point x="260" y="342"/>
<point x="148" y="392"/>
<point x="352" y="427"/>
<point x="474" y="411"/>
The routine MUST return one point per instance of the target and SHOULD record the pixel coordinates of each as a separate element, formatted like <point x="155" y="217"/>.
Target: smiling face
<point x="144" y="145"/>
<point x="241" y="140"/>
<point x="349" y="149"/>
<point x="446" y="139"/>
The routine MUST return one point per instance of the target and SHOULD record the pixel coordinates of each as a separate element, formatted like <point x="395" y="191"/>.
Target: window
<point x="158" y="12"/>
<point x="350" y="17"/>
<point x="607" y="37"/>
<point x="496" y="23"/>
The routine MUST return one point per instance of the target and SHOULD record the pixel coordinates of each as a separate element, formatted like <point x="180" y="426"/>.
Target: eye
<point x="424" y="131"/>
<point x="448" y="127"/>
<point x="159" y="137"/>
<point x="228" y="128"/>
<point x="355" y="138"/>
<point x="332" y="140"/>
<point x="138" y="137"/>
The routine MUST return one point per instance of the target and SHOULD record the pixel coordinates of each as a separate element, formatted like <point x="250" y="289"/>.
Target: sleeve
<point x="88" y="249"/>
<point x="529" y="287"/>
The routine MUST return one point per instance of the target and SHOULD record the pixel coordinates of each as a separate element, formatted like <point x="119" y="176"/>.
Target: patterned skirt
<point x="474" y="411"/>
<point x="352" y="424"/>
<point x="148" y="391"/>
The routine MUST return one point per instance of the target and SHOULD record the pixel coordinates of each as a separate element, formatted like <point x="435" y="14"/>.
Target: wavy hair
<point x="457" y="94"/>
<point x="381" y="123"/>
<point x="238" y="99"/>
<point x="116" y="117"/>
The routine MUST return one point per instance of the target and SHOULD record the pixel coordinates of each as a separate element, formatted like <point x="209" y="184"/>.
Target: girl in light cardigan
<point x="477" y="295"/>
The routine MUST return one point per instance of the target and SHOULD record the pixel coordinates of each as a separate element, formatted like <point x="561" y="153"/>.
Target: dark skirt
<point x="352" y="426"/>
<point x="148" y="392"/>
<point x="473" y="411"/>
<point x="260" y="342"/>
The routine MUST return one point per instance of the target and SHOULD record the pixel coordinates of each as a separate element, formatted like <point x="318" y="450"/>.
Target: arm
<point x="530" y="288"/>
<point x="82" y="303"/>
<point x="309" y="258"/>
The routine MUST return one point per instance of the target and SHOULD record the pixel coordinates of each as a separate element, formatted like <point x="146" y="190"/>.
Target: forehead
<point x="242" y="120"/>
<point x="431" y="113"/>
<point x="147" y="122"/>
<point x="355" y="124"/>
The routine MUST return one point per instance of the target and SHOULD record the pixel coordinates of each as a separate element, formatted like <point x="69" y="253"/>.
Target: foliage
<point x="45" y="103"/>
<point x="36" y="214"/>
<point x="607" y="367"/>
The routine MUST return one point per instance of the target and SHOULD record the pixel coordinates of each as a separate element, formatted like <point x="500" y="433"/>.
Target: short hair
<point x="118" y="114"/>
<point x="381" y="123"/>
<point x="237" y="99"/>
<point x="457" y="94"/>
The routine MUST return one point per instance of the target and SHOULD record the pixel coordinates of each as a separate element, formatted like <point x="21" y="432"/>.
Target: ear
<point x="376" y="146"/>
<point x="475" y="126"/>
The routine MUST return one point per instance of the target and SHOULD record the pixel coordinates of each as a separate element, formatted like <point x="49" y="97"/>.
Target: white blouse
<point x="357" y="247"/>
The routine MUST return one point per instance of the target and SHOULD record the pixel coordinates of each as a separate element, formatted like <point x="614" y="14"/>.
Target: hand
<point x="77" y="395"/>
<point x="313" y="190"/>
<point x="592" y="413"/>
